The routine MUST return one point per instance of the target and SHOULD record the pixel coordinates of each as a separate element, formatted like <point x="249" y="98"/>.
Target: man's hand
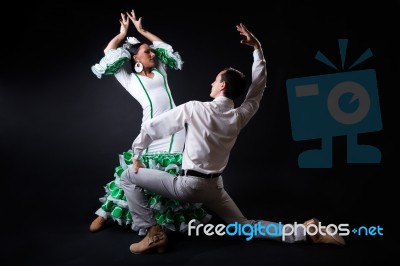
<point x="249" y="39"/>
<point x="137" y="164"/>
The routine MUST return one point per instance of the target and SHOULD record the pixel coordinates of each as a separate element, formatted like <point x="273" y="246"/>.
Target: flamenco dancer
<point x="148" y="84"/>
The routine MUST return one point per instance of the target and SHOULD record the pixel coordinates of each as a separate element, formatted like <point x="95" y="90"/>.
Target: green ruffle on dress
<point x="172" y="214"/>
<point x="111" y="63"/>
<point x="171" y="60"/>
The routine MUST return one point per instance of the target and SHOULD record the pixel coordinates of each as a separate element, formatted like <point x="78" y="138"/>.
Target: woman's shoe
<point x="97" y="224"/>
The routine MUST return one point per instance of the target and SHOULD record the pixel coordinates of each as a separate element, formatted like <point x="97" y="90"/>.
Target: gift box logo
<point x="338" y="104"/>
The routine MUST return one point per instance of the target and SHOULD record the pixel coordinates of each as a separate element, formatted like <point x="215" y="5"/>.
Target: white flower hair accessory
<point x="130" y="41"/>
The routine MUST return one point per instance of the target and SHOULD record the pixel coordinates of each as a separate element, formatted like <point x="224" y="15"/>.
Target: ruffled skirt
<point x="172" y="214"/>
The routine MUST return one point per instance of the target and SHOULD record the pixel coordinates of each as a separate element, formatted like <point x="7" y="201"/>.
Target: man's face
<point x="216" y="86"/>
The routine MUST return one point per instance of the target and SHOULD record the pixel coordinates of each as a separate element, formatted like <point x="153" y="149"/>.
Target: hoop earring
<point x="138" y="67"/>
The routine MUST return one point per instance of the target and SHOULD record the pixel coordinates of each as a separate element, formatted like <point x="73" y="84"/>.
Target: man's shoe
<point x="155" y="239"/>
<point x="324" y="235"/>
<point x="97" y="224"/>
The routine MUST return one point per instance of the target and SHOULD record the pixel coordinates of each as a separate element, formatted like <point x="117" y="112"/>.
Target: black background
<point x="62" y="128"/>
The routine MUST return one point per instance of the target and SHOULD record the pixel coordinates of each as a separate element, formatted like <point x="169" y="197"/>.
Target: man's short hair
<point x="235" y="82"/>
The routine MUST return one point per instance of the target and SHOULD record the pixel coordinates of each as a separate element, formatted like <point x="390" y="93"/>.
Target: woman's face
<point x="145" y="56"/>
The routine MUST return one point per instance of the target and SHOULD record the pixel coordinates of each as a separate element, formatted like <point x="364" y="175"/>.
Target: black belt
<point x="198" y="174"/>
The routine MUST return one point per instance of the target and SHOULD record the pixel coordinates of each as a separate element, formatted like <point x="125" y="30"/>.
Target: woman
<point x="148" y="85"/>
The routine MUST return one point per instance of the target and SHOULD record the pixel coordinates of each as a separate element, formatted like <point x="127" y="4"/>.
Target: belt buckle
<point x="182" y="172"/>
<point x="214" y="175"/>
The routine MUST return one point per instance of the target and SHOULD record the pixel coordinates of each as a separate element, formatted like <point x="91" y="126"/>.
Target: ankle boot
<point x="154" y="239"/>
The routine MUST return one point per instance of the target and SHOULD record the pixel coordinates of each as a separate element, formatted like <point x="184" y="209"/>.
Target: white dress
<point x="154" y="95"/>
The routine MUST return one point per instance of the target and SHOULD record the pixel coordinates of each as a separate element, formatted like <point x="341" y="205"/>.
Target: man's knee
<point x="126" y="177"/>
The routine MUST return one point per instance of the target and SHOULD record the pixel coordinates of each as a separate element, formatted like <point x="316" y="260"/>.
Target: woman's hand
<point x="123" y="31"/>
<point x="124" y="21"/>
<point x="138" y="25"/>
<point x="136" y="22"/>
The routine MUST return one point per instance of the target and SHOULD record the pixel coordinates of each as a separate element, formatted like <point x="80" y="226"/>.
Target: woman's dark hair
<point x="235" y="82"/>
<point x="133" y="51"/>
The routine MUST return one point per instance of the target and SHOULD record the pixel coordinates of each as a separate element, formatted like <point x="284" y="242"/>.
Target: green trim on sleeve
<point x="116" y="66"/>
<point x="164" y="57"/>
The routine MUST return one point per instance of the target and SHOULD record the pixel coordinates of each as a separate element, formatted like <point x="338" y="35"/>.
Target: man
<point x="212" y="129"/>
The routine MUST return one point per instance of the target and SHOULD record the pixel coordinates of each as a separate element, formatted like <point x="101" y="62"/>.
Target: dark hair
<point x="133" y="50"/>
<point x="235" y="82"/>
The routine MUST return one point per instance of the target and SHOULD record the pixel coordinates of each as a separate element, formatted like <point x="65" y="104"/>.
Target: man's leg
<point x="156" y="181"/>
<point x="226" y="209"/>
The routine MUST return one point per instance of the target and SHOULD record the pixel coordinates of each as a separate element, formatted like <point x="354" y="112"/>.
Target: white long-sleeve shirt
<point x="212" y="127"/>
